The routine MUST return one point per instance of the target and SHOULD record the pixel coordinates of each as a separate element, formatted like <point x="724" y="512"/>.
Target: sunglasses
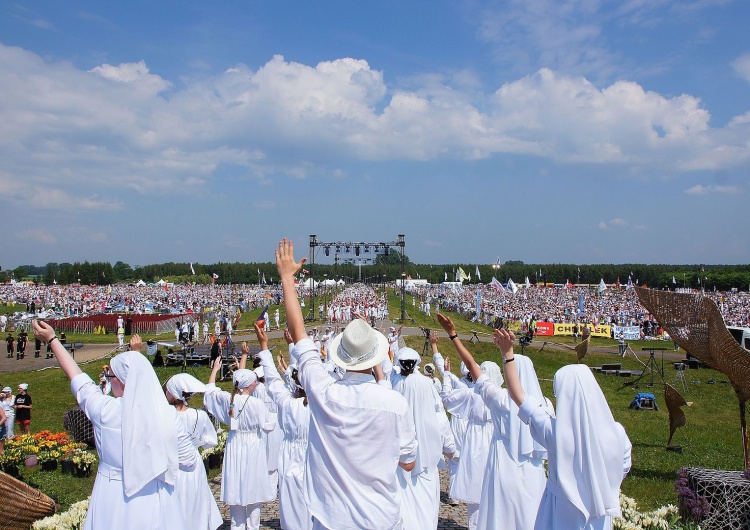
<point x="109" y="376"/>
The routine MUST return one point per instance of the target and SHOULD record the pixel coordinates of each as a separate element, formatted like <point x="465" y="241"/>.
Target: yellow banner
<point x="601" y="330"/>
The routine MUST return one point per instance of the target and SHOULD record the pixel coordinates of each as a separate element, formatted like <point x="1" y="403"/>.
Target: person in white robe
<point x="244" y="476"/>
<point x="475" y="444"/>
<point x="514" y="477"/>
<point x="419" y="489"/>
<point x="274" y="437"/>
<point x="196" y="497"/>
<point x="140" y="442"/>
<point x="360" y="433"/>
<point x="294" y="424"/>
<point x="589" y="452"/>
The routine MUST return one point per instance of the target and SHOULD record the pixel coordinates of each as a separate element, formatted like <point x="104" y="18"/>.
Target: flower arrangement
<point x="696" y="506"/>
<point x="663" y="518"/>
<point x="11" y="458"/>
<point x="73" y="519"/>
<point x="49" y="455"/>
<point x="82" y="459"/>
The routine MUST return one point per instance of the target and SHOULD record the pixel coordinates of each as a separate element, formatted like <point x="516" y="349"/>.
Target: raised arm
<point x="46" y="333"/>
<point x="245" y="350"/>
<point x="214" y="370"/>
<point x="466" y="357"/>
<point x="287" y="267"/>
<point x="504" y="340"/>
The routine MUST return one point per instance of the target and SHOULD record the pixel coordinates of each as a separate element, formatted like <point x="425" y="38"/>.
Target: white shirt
<point x="359" y="432"/>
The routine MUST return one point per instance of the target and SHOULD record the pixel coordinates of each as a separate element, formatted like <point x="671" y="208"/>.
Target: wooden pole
<point x="743" y="428"/>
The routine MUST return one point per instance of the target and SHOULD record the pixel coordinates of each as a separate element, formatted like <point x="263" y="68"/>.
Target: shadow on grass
<point x="658" y="474"/>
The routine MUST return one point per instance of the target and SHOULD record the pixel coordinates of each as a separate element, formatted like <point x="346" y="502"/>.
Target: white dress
<point x="511" y="491"/>
<point x="419" y="489"/>
<point x="273" y="438"/>
<point x="155" y="506"/>
<point x="10" y="414"/>
<point x="475" y="445"/>
<point x="556" y="512"/>
<point x="244" y="474"/>
<point x="192" y="487"/>
<point x="294" y="424"/>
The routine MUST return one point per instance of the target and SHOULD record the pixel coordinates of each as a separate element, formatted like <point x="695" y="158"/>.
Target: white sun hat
<point x="359" y="347"/>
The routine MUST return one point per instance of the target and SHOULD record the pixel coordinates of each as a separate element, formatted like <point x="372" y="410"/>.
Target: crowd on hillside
<point x="561" y="304"/>
<point x="544" y="304"/>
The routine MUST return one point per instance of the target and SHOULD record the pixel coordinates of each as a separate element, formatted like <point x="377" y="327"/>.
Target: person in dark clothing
<point x="129" y="326"/>
<point x="23" y="337"/>
<point x="10" y="340"/>
<point x="158" y="360"/>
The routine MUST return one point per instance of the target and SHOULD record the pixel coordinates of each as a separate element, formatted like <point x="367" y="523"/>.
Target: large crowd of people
<point x="349" y="431"/>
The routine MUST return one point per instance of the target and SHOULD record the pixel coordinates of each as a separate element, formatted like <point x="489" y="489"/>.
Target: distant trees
<point x="382" y="268"/>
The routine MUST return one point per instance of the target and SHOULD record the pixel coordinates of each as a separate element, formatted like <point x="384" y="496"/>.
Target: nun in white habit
<point x="294" y="424"/>
<point x="475" y="445"/>
<point x="419" y="489"/>
<point x="198" y="503"/>
<point x="244" y="476"/>
<point x="140" y="442"/>
<point x="588" y="451"/>
<point x="514" y="478"/>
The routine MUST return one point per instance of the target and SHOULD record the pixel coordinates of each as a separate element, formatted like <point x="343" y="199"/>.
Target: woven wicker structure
<point x="583" y="347"/>
<point x="21" y="504"/>
<point x="674" y="401"/>
<point x="695" y="323"/>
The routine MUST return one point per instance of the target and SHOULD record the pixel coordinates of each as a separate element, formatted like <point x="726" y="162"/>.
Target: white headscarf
<point x="244" y="378"/>
<point x="23" y="386"/>
<point x="589" y="446"/>
<point x="184" y="383"/>
<point x="492" y="370"/>
<point x="521" y="444"/>
<point x="149" y="432"/>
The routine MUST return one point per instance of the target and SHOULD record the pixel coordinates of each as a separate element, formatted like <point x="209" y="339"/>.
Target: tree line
<point x="382" y="269"/>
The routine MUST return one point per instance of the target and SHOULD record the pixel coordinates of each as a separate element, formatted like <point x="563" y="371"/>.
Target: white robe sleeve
<point x="206" y="434"/>
<point x="216" y="402"/>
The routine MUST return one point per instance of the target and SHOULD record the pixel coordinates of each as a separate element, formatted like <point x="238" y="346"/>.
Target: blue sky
<point x="545" y="131"/>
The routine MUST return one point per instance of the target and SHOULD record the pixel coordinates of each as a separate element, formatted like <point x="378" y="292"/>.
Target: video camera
<point x="426" y="332"/>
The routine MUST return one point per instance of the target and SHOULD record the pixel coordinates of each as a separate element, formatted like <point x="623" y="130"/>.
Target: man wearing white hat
<point x="360" y="432"/>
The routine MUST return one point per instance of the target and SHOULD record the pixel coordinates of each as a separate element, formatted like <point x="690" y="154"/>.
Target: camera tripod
<point x="649" y="366"/>
<point x="186" y="349"/>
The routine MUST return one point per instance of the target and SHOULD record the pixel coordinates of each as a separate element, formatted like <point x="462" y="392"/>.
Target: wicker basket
<point x="21" y="504"/>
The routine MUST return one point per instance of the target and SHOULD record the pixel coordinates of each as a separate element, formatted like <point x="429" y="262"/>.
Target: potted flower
<point x="11" y="460"/>
<point x="48" y="459"/>
<point x="68" y="452"/>
<point x="82" y="461"/>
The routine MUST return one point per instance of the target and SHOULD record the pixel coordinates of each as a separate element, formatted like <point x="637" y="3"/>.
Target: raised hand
<point x="262" y="337"/>
<point x="136" y="343"/>
<point x="288" y="336"/>
<point x="503" y="339"/>
<point x="285" y="263"/>
<point x="447" y="324"/>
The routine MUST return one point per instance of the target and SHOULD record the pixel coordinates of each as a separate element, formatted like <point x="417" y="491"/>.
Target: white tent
<point x="327" y="283"/>
<point x="161" y="283"/>
<point x="341" y="282"/>
<point x="309" y="283"/>
<point x="140" y="283"/>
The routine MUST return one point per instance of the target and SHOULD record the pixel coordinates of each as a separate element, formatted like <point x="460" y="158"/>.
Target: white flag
<point x="495" y="284"/>
<point x="674" y="280"/>
<point x="528" y="283"/>
<point x="446" y="277"/>
<point x="191" y="268"/>
<point x="479" y="276"/>
<point x="512" y="287"/>
<point x="602" y="286"/>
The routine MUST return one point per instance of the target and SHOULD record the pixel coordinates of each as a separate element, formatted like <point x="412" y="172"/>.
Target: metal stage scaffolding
<point x="358" y="247"/>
